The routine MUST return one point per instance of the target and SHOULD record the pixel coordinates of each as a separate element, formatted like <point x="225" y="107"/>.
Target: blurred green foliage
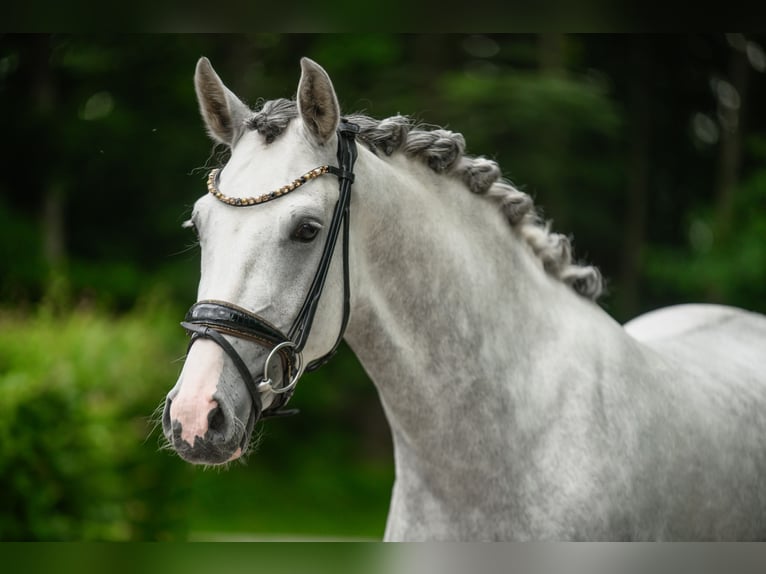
<point x="619" y="139"/>
<point x="76" y="458"/>
<point x="720" y="264"/>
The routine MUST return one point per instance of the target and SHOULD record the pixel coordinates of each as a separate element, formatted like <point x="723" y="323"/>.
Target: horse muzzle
<point x="222" y="442"/>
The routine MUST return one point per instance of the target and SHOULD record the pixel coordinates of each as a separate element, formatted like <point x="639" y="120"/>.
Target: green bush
<point x="78" y="458"/>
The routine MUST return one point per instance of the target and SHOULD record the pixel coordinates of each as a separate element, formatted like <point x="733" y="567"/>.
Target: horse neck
<point x="453" y="317"/>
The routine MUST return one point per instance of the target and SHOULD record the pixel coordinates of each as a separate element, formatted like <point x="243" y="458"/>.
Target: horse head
<point x="267" y="232"/>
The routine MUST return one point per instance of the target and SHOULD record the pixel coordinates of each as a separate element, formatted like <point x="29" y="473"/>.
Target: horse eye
<point x="306" y="232"/>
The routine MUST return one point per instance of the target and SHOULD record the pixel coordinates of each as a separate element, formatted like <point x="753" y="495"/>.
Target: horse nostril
<point x="216" y="420"/>
<point x="176" y="430"/>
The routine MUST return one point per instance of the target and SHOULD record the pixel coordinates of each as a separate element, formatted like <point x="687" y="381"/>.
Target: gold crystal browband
<point x="212" y="187"/>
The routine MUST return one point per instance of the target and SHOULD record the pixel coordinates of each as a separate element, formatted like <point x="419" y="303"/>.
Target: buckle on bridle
<point x="341" y="173"/>
<point x="346" y="126"/>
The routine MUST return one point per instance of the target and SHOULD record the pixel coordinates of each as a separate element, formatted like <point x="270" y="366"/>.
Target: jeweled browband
<point x="212" y="187"/>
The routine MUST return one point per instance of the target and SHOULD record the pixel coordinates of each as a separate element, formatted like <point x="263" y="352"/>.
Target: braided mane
<point x="443" y="151"/>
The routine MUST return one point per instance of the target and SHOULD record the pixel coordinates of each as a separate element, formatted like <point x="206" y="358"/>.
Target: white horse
<point x="518" y="408"/>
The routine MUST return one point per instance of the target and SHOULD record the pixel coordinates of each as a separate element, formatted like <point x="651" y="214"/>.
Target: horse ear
<point x="223" y="112"/>
<point x="317" y="102"/>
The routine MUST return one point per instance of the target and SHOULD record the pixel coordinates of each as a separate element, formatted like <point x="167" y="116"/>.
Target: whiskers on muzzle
<point x="155" y="421"/>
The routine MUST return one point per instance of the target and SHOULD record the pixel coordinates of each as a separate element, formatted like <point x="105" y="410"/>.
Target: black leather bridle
<point x="210" y="319"/>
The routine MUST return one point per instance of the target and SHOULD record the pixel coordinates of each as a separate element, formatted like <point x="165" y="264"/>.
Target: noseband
<point x="211" y="319"/>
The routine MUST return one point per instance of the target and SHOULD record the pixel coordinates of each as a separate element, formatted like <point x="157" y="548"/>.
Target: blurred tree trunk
<point x="44" y="94"/>
<point x="553" y="139"/>
<point x="54" y="224"/>
<point x="550" y="52"/>
<point x="639" y="115"/>
<point x="730" y="151"/>
<point x="731" y="116"/>
<point x="431" y="56"/>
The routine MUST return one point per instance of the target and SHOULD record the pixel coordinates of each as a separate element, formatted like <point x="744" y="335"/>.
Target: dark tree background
<point x="650" y="150"/>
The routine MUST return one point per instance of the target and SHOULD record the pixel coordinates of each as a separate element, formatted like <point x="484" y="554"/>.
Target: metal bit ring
<point x="267" y="383"/>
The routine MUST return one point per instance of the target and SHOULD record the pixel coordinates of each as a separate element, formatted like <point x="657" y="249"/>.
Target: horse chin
<point x="206" y="454"/>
